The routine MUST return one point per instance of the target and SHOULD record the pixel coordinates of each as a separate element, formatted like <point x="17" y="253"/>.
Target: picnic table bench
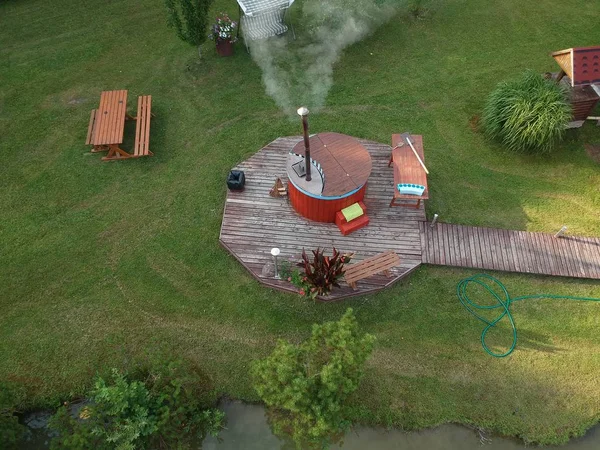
<point x="382" y="262"/>
<point x="141" y="147"/>
<point x="407" y="169"/>
<point x="107" y="125"/>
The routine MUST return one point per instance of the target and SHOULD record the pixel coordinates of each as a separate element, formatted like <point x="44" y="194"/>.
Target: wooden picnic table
<point x="110" y="123"/>
<point x="407" y="169"/>
<point x="107" y="125"/>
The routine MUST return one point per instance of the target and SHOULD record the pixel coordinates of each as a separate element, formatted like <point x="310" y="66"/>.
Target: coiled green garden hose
<point x="503" y="302"/>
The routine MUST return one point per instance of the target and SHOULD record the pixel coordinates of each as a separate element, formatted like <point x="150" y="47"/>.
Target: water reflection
<point x="247" y="429"/>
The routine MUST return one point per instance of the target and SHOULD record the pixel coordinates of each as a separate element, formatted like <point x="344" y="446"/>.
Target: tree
<point x="306" y="386"/>
<point x="190" y="20"/>
<point x="162" y="411"/>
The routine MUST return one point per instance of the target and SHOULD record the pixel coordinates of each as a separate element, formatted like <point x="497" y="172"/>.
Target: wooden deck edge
<point x="515" y="272"/>
<point x="321" y="299"/>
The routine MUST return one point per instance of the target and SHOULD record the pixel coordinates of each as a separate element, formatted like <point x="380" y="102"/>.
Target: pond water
<point x="247" y="429"/>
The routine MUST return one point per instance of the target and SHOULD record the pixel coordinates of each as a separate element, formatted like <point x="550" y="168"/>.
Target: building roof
<point x="582" y="64"/>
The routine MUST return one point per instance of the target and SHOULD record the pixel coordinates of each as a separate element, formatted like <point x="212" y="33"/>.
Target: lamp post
<point x="303" y="112"/>
<point x="275" y="252"/>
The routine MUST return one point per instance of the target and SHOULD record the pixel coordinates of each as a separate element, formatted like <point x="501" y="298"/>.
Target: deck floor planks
<point x="539" y="253"/>
<point x="439" y="240"/>
<point x="517" y="251"/>
<point x="513" y="251"/>
<point x="594" y="250"/>
<point x="463" y="244"/>
<point x="566" y="256"/>
<point x="474" y="236"/>
<point x="528" y="252"/>
<point x="254" y="222"/>
<point x="576" y="256"/>
<point x="469" y="246"/>
<point x="592" y="255"/>
<point x="489" y="256"/>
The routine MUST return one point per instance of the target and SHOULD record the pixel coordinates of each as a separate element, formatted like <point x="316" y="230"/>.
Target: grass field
<point x="105" y="262"/>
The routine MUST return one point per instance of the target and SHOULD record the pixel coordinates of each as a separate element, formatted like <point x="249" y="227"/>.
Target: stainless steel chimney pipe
<point x="303" y="112"/>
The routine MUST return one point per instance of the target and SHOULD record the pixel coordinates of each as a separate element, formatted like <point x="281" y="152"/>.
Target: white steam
<point x="300" y="72"/>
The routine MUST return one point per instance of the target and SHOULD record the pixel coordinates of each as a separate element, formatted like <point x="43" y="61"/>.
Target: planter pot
<point x="224" y="47"/>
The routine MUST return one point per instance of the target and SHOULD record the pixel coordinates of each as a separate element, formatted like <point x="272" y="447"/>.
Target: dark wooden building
<point x="580" y="73"/>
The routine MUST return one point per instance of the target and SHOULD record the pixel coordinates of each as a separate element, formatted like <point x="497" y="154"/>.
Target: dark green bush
<point x="160" y="411"/>
<point x="528" y="114"/>
<point x="11" y="430"/>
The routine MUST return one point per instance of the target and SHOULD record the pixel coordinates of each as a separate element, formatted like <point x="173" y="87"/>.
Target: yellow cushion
<point x="352" y="212"/>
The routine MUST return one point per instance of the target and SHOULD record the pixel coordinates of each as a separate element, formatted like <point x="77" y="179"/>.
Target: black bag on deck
<point x="236" y="180"/>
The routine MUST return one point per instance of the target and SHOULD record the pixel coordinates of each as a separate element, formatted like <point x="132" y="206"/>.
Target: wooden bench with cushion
<point x="141" y="147"/>
<point x="382" y="262"/>
<point x="407" y="169"/>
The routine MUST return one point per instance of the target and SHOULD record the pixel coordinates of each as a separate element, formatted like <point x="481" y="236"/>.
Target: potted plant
<point x="223" y="34"/>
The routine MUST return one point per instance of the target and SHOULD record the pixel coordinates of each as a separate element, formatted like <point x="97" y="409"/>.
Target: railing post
<point x="434" y="220"/>
<point x="561" y="232"/>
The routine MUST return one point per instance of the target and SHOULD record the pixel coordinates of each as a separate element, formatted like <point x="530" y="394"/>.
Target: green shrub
<point x="190" y="20"/>
<point x="527" y="114"/>
<point x="305" y="386"/>
<point x="162" y="411"/>
<point x="11" y="430"/>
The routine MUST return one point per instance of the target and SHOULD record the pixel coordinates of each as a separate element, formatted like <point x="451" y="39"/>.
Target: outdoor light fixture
<point x="275" y="252"/>
<point x="434" y="221"/>
<point x="303" y="112"/>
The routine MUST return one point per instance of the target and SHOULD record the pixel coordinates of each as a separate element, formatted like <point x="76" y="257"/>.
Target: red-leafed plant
<point x="323" y="272"/>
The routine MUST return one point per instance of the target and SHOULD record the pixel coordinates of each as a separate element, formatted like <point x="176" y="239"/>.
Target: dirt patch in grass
<point x="474" y="123"/>
<point x="593" y="151"/>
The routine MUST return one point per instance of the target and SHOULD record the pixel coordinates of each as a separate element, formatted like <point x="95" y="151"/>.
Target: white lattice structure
<point x="263" y="18"/>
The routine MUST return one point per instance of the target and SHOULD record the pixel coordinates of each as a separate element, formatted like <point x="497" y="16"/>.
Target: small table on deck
<point x="108" y="133"/>
<point x="407" y="169"/>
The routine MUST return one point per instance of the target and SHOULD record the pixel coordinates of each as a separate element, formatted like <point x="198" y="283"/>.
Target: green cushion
<point x="352" y="212"/>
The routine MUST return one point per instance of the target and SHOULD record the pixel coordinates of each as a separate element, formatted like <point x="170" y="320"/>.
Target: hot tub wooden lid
<point x="345" y="162"/>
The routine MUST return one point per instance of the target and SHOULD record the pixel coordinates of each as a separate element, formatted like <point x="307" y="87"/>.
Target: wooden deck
<point x="253" y="222"/>
<point x="510" y="251"/>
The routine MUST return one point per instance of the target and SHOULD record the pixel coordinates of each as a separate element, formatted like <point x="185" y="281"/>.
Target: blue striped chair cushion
<point x="411" y="189"/>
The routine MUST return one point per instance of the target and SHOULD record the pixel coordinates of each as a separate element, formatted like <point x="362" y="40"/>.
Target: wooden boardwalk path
<point x="254" y="222"/>
<point x="510" y="251"/>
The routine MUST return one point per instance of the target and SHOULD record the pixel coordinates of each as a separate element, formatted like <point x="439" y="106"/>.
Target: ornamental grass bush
<point x="528" y="114"/>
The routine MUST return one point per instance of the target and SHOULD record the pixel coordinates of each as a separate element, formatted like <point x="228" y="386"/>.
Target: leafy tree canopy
<point x="306" y="386"/>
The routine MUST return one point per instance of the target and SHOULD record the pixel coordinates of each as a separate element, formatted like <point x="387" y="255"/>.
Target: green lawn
<point x="104" y="262"/>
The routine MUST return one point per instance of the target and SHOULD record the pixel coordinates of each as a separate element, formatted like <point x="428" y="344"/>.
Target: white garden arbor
<point x="261" y="19"/>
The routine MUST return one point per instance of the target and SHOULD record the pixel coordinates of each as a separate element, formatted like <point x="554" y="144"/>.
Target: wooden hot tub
<point x="340" y="169"/>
